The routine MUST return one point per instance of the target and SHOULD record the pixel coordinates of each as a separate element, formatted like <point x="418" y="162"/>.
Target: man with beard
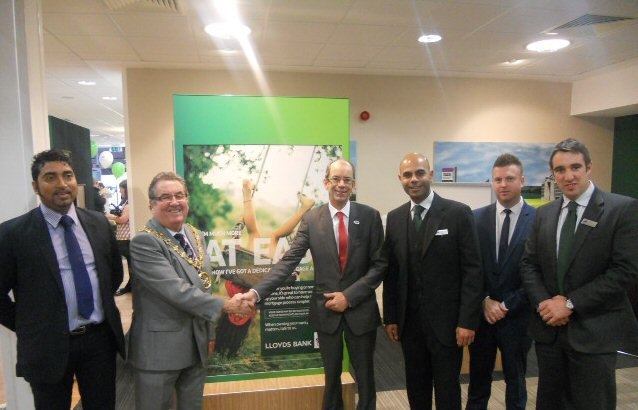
<point x="63" y="266"/>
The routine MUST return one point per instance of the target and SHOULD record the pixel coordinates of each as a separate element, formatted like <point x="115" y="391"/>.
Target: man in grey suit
<point x="172" y="308"/>
<point x="66" y="327"/>
<point x="578" y="263"/>
<point x="345" y="240"/>
<point x="502" y="228"/>
<point x="433" y="289"/>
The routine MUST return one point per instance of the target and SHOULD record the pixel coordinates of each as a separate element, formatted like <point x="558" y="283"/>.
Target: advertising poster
<point x="248" y="195"/>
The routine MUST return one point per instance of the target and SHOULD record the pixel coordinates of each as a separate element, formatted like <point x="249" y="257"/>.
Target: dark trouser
<point x="509" y="336"/>
<point x="124" y="248"/>
<point x="571" y="380"/>
<point x="92" y="361"/>
<point x="428" y="364"/>
<point x="361" y="351"/>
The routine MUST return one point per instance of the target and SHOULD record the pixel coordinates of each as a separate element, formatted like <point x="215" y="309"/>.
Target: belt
<point x="84" y="329"/>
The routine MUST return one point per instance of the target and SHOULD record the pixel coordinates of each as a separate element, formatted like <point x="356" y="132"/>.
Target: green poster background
<point x="221" y="141"/>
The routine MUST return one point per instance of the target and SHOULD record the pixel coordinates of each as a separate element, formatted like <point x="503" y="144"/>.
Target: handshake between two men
<point x="243" y="304"/>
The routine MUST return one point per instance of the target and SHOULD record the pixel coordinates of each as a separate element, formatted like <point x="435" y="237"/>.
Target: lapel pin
<point x="356" y="222"/>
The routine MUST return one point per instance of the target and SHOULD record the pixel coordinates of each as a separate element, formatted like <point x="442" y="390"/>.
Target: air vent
<point x="590" y="19"/>
<point x="169" y="6"/>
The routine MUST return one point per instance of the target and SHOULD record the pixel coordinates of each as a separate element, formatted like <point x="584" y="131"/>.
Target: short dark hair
<point x="506" y="159"/>
<point x="53" y="155"/>
<point x="339" y="159"/>
<point x="570" y="145"/>
<point x="123" y="184"/>
<point x="165" y="176"/>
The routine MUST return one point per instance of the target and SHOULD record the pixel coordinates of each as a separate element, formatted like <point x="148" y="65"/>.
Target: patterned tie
<point x="83" y="289"/>
<point x="505" y="233"/>
<point x="416" y="219"/>
<point x="565" y="244"/>
<point x="343" y="242"/>
<point x="182" y="241"/>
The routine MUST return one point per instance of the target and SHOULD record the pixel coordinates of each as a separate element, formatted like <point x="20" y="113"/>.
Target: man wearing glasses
<point x="345" y="240"/>
<point x="173" y="306"/>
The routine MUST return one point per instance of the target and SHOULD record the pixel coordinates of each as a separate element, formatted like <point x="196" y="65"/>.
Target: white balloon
<point x="106" y="159"/>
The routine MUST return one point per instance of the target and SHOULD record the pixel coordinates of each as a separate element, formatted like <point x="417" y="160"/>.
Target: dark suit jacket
<point x="504" y="286"/>
<point x="453" y="283"/>
<point x="363" y="273"/>
<point x="604" y="263"/>
<point x="29" y="267"/>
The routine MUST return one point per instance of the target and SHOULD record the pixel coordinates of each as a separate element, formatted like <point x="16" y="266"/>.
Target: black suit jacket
<point x="363" y="273"/>
<point x="452" y="279"/>
<point x="29" y="267"/>
<point x="604" y="262"/>
<point x="504" y="285"/>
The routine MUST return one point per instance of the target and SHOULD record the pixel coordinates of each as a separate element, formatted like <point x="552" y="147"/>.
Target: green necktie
<point x="416" y="219"/>
<point x="565" y="244"/>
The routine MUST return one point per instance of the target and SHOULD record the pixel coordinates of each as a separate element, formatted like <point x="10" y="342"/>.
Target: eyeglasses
<point x="346" y="180"/>
<point x="180" y="196"/>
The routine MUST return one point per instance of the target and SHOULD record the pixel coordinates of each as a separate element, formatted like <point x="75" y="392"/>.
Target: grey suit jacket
<point x="171" y="309"/>
<point x="29" y="267"/>
<point x="364" y="271"/>
<point x="604" y="262"/>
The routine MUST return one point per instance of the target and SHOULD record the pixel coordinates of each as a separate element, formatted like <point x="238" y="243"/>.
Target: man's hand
<point x="393" y="332"/>
<point x="237" y="305"/>
<point x="337" y="301"/>
<point x="493" y="310"/>
<point x="464" y="337"/>
<point x="554" y="312"/>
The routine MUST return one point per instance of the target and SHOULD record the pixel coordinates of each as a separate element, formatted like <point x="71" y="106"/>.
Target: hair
<point x="570" y="145"/>
<point x="336" y="160"/>
<point x="507" y="159"/>
<point x="44" y="157"/>
<point x="124" y="185"/>
<point x="164" y="176"/>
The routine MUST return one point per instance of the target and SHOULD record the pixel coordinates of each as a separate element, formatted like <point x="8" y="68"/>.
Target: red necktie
<point x="343" y="241"/>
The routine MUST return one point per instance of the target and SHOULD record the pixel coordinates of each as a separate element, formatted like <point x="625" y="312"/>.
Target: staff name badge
<point x="441" y="232"/>
<point x="589" y="222"/>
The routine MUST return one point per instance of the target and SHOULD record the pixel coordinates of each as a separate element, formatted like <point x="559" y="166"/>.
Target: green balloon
<point x="93" y="149"/>
<point x="118" y="169"/>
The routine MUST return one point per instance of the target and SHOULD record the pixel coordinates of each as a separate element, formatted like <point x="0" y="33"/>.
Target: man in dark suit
<point x="502" y="230"/>
<point x="171" y="328"/>
<point x="348" y="268"/>
<point x="578" y="262"/>
<point x="63" y="266"/>
<point x="433" y="289"/>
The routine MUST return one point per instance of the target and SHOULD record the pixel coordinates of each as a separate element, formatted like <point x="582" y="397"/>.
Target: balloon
<point x="118" y="169"/>
<point x="93" y="148"/>
<point x="106" y="159"/>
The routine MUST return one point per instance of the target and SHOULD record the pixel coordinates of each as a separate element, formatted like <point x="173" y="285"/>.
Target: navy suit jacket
<point x="29" y="267"/>
<point x="604" y="262"/>
<point x="504" y="285"/>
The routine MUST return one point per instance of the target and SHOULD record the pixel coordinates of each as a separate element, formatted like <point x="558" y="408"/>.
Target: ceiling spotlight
<point x="429" y="38"/>
<point x="227" y="30"/>
<point x="548" y="46"/>
<point x="84" y="82"/>
<point x="109" y="98"/>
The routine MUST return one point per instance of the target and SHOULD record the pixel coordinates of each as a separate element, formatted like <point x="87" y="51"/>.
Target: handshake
<point x="241" y="304"/>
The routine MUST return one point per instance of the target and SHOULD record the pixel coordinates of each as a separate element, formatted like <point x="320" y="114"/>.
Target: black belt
<point x="84" y="329"/>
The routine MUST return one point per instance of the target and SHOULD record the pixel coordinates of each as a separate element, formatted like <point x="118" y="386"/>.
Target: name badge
<point x="589" y="222"/>
<point x="441" y="232"/>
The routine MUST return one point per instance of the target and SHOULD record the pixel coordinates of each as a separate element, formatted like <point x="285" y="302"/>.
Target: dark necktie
<point x="343" y="242"/>
<point x="505" y="234"/>
<point x="182" y="241"/>
<point x="416" y="219"/>
<point x="83" y="290"/>
<point x="565" y="244"/>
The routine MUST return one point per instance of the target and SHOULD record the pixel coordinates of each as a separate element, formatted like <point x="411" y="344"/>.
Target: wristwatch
<point x="569" y="305"/>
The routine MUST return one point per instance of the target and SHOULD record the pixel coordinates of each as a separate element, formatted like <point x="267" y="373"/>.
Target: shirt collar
<point x="53" y="218"/>
<point x="516" y="209"/>
<point x="345" y="210"/>
<point x="426" y="203"/>
<point x="583" y="199"/>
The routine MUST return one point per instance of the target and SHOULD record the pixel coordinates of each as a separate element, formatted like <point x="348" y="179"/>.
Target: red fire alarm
<point x="365" y="116"/>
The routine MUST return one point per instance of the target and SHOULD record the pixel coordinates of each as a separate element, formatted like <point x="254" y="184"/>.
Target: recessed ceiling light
<point x="548" y="46"/>
<point x="429" y="38"/>
<point x="227" y="30"/>
<point x="83" y="82"/>
<point x="109" y="98"/>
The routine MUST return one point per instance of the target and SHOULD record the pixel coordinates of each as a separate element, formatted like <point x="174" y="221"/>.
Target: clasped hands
<point x="554" y="312"/>
<point x="240" y="305"/>
<point x="493" y="310"/>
